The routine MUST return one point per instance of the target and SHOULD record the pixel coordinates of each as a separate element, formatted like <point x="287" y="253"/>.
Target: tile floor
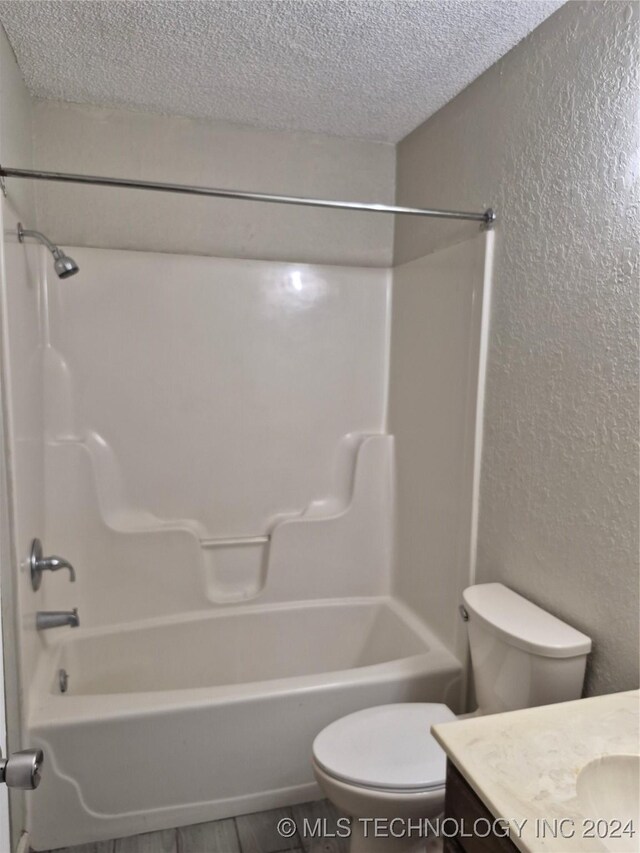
<point x="252" y="833"/>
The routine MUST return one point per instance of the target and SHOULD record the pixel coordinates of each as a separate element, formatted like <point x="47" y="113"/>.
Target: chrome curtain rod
<point x="487" y="218"/>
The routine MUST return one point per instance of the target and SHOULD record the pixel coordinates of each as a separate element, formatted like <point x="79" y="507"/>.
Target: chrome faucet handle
<point x="40" y="564"/>
<point x="54" y="563"/>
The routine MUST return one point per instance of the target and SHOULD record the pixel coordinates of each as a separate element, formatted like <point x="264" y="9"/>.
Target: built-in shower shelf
<point x="235" y="567"/>
<point x="232" y="541"/>
<point x="333" y="537"/>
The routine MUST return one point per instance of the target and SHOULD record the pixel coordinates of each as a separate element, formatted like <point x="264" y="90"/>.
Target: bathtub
<point x="173" y="722"/>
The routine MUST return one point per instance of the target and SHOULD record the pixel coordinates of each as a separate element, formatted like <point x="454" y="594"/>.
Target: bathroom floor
<point x="252" y="833"/>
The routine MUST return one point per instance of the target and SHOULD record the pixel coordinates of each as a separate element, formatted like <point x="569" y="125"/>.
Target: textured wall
<point x="72" y="138"/>
<point x="549" y="136"/>
<point x="16" y="146"/>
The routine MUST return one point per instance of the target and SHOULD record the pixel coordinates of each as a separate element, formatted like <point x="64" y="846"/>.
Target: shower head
<point x="62" y="263"/>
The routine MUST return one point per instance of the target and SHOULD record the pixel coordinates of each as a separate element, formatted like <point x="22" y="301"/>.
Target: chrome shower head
<point x="62" y="263"/>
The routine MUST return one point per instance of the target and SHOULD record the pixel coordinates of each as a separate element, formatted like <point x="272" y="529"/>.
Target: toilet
<point x="382" y="762"/>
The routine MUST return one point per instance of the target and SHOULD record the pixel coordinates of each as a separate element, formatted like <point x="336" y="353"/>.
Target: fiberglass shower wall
<point x="190" y="399"/>
<point x="23" y="404"/>
<point x="197" y="405"/>
<point x="439" y="337"/>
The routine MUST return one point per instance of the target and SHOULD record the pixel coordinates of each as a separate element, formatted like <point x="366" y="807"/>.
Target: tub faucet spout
<point x="57" y="618"/>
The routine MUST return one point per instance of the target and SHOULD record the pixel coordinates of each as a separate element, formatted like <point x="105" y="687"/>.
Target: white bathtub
<point x="175" y="722"/>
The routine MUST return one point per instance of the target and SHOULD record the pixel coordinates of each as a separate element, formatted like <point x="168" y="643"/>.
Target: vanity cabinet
<point x="465" y="807"/>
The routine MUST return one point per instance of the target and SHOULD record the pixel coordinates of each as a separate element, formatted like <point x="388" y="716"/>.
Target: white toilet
<point x="383" y="762"/>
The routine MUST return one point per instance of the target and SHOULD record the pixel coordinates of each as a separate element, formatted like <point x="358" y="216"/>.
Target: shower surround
<point x="210" y="421"/>
<point x="218" y="468"/>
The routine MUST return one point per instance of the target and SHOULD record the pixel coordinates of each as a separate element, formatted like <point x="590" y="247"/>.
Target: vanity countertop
<point x="524" y="764"/>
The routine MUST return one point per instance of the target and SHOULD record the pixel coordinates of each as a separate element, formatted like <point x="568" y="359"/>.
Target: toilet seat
<point x="387" y="748"/>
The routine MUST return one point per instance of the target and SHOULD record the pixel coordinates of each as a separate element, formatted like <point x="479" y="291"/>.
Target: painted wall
<point x="436" y="382"/>
<point x="119" y="143"/>
<point x="22" y="427"/>
<point x="5" y="560"/>
<point x="549" y="137"/>
<point x="16" y="129"/>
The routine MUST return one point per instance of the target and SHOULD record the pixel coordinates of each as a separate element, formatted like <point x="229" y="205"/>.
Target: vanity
<point x="467" y="811"/>
<point x="556" y="778"/>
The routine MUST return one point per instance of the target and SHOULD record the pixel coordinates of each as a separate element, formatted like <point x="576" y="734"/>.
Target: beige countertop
<point x="524" y="765"/>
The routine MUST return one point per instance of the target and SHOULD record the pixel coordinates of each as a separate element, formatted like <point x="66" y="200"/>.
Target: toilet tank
<point x="521" y="655"/>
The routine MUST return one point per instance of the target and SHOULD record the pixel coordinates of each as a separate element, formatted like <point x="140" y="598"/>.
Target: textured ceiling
<point x="374" y="69"/>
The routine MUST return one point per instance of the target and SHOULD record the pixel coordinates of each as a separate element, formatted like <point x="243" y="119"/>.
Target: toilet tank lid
<point x="522" y="623"/>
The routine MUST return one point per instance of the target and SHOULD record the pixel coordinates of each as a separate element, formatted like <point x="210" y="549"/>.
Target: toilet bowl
<point x="382" y="767"/>
<point x="382" y="763"/>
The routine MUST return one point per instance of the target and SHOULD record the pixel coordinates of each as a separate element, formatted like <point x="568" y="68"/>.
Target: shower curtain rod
<point x="488" y="217"/>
